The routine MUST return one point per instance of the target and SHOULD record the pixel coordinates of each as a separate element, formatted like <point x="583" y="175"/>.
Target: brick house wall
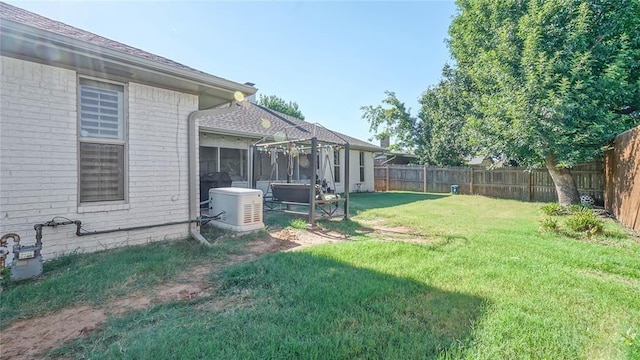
<point x="39" y="161"/>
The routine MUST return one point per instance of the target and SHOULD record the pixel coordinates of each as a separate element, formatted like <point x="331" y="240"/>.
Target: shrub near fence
<point x="506" y="183"/>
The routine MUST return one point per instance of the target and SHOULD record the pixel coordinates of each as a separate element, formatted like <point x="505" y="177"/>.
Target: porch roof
<point x="255" y="121"/>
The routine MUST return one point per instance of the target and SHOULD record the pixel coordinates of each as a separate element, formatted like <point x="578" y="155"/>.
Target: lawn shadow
<point x="310" y="306"/>
<point x="365" y="201"/>
<point x="292" y="305"/>
<point x="297" y="305"/>
<point x="346" y="227"/>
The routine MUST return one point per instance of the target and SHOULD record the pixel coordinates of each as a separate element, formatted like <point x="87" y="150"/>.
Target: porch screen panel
<point x="234" y="162"/>
<point x="208" y="160"/>
<point x="283" y="166"/>
<point x="263" y="168"/>
<point x="304" y="164"/>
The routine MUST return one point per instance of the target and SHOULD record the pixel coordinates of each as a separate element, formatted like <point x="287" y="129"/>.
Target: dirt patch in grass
<point x="26" y="339"/>
<point x="397" y="233"/>
<point x="304" y="238"/>
<point x="30" y="338"/>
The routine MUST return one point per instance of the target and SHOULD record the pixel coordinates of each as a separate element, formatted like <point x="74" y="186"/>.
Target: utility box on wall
<point x="239" y="209"/>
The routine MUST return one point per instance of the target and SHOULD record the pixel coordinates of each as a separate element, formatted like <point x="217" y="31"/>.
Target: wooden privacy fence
<point x="506" y="183"/>
<point x="622" y="180"/>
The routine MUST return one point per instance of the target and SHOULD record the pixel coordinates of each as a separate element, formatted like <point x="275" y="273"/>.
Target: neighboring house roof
<point x="480" y="161"/>
<point x="255" y="121"/>
<point x="26" y="34"/>
<point x="395" y="158"/>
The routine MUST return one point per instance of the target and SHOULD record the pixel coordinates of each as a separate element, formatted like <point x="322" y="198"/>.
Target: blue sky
<point x="329" y="57"/>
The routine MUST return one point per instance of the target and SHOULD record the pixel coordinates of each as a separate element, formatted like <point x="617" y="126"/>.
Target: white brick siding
<point x="39" y="161"/>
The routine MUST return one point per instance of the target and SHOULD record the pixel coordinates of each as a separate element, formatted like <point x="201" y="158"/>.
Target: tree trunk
<point x="563" y="180"/>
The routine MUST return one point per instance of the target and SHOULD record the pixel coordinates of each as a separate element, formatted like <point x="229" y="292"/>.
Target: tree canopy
<point x="442" y="139"/>
<point x="554" y="81"/>
<point x="436" y="136"/>
<point x="392" y="119"/>
<point x="278" y="104"/>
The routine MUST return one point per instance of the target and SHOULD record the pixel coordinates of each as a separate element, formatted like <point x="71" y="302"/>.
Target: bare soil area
<point x="30" y="338"/>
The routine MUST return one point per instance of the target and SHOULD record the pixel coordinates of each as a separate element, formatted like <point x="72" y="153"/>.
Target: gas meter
<point x="27" y="260"/>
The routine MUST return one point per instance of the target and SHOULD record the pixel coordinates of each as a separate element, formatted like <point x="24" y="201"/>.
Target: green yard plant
<point x="549" y="224"/>
<point x="576" y="208"/>
<point x="553" y="209"/>
<point x="298" y="223"/>
<point x="584" y="220"/>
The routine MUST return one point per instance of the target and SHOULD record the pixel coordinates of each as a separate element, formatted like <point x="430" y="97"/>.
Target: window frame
<point x="122" y="141"/>
<point x="337" y="164"/>
<point x="362" y="167"/>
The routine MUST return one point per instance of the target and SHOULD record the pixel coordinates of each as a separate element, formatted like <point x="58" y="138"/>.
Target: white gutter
<point x="194" y="199"/>
<point x="98" y="51"/>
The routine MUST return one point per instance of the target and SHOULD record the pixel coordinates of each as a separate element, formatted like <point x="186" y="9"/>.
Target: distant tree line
<point x="276" y="103"/>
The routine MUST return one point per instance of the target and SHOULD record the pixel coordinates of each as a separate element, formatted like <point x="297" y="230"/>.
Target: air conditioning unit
<point x="240" y="208"/>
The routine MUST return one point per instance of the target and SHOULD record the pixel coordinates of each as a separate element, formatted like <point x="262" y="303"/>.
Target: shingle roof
<point x="10" y="12"/>
<point x="256" y="121"/>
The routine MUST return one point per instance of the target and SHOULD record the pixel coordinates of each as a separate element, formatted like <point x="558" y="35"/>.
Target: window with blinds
<point x="101" y="110"/>
<point x="102" y="141"/>
<point x="101" y="172"/>
<point x="361" y="166"/>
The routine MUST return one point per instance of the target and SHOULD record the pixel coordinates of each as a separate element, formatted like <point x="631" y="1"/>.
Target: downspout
<point x="194" y="198"/>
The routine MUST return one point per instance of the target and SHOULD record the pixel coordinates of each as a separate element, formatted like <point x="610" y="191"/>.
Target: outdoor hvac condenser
<point x="240" y="209"/>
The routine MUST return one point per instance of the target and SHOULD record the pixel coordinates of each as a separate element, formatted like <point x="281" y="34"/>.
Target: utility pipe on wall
<point x="347" y="185"/>
<point x="194" y="198"/>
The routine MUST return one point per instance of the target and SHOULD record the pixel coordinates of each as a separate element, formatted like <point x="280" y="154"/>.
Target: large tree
<point x="555" y="80"/>
<point x="437" y="135"/>
<point x="441" y="138"/>
<point x="278" y="104"/>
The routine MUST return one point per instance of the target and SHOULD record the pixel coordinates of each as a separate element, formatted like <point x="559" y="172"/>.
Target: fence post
<point x="471" y="180"/>
<point x="387" y="181"/>
<point x="530" y="187"/>
<point x="424" y="178"/>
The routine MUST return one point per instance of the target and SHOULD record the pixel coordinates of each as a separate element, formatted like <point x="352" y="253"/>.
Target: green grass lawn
<point x="484" y="284"/>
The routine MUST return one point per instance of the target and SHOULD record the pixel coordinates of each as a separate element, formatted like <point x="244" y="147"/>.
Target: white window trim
<point x="97" y="206"/>
<point x="362" y="170"/>
<point x="338" y="165"/>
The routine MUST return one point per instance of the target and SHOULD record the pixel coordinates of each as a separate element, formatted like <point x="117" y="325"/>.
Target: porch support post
<point x="253" y="152"/>
<point x="312" y="187"/>
<point x="347" y="170"/>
